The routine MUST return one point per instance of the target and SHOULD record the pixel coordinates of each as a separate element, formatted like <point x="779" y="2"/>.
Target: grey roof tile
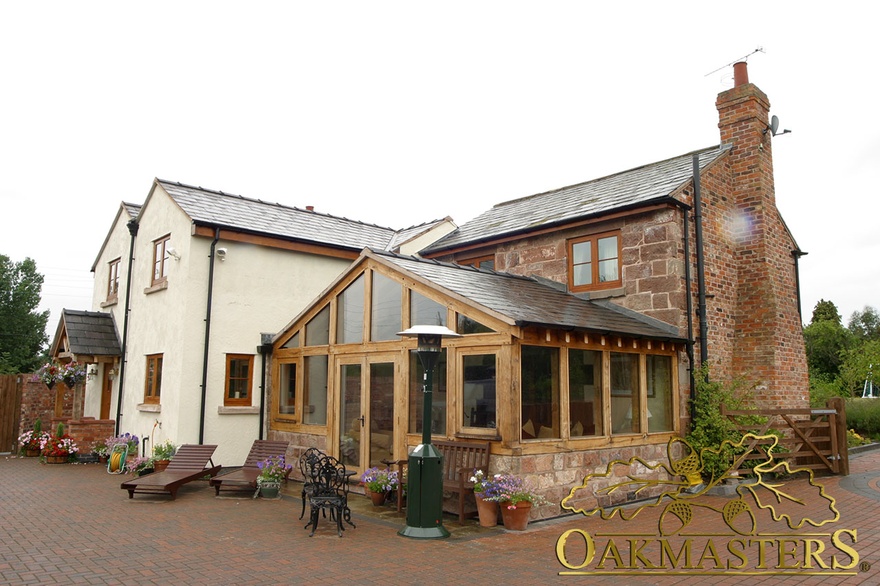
<point x="639" y="186"/>
<point x="526" y="300"/>
<point x="215" y="208"/>
<point x="91" y="333"/>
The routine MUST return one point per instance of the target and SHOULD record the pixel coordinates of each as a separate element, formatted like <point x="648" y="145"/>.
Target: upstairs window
<point x="594" y="262"/>
<point x="160" y="260"/>
<point x="113" y="280"/>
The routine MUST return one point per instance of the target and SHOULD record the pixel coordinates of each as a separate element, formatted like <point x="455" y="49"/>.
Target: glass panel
<point x="287" y="397"/>
<point x="385" y="308"/>
<point x="425" y="312"/>
<point x="478" y="391"/>
<point x="350" y="427"/>
<point x="608" y="271"/>
<point x="315" y="390"/>
<point x="583" y="274"/>
<point x="581" y="252"/>
<point x="417" y="394"/>
<point x="659" y="372"/>
<point x="624" y="393"/>
<point x="540" y="392"/>
<point x="608" y="248"/>
<point x="381" y="412"/>
<point x="239" y="377"/>
<point x="585" y="392"/>
<point x="467" y="325"/>
<point x="488" y="265"/>
<point x="318" y="329"/>
<point x="350" y="314"/>
<point x="293" y="342"/>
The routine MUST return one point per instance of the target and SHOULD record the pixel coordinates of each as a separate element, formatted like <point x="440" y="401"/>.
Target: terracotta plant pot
<point x="487" y="510"/>
<point x="160" y="465"/>
<point x="516" y="518"/>
<point x="378" y="498"/>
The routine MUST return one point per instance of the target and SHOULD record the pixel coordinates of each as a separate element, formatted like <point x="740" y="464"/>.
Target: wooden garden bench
<point x="191" y="462"/>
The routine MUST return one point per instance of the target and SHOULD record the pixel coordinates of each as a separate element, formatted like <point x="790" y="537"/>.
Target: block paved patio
<point x="71" y="524"/>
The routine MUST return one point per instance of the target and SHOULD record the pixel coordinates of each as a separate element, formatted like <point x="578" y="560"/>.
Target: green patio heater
<point x="424" y="509"/>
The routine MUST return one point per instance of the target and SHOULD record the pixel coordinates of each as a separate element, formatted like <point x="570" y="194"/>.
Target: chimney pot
<point x="310" y="208"/>
<point x="740" y="74"/>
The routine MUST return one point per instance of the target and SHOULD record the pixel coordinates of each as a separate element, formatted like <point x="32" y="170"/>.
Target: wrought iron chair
<point x="308" y="468"/>
<point x="330" y="493"/>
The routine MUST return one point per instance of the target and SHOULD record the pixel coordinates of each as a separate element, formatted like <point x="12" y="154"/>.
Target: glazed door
<point x="106" y="389"/>
<point x="366" y="410"/>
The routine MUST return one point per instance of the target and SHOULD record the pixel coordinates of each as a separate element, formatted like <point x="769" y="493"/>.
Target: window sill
<point x="602" y="293"/>
<point x="150" y="407"/>
<point x="109" y="303"/>
<point x="157" y="287"/>
<point x="489" y="435"/>
<point x="222" y="410"/>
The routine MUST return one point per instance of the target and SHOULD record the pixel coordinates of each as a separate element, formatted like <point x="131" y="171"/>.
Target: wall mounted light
<point x="172" y="252"/>
<point x="221" y="253"/>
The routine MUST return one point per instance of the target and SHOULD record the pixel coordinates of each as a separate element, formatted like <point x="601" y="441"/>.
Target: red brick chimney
<point x="768" y="340"/>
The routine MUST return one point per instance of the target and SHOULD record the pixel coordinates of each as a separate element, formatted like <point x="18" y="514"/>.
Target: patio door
<point x="366" y="409"/>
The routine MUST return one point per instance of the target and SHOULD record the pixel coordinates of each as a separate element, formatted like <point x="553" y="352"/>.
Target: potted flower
<point x="100" y="449"/>
<point x="162" y="454"/>
<point x="379" y="482"/>
<point x="484" y="489"/>
<point x="272" y="471"/>
<point x="58" y="448"/>
<point x="515" y="498"/>
<point x="72" y="373"/>
<point x="30" y="440"/>
<point x="48" y="374"/>
<point x="139" y="466"/>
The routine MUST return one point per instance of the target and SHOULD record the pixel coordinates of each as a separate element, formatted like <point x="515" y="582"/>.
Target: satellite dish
<point x="774" y="125"/>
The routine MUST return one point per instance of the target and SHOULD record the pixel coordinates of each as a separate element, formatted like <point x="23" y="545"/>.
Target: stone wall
<point x="39" y="402"/>
<point x="86" y="431"/>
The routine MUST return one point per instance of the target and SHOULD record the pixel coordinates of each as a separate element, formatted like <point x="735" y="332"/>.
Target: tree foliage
<point x="826" y="341"/>
<point x="22" y="328"/>
<point x="825" y="311"/>
<point x="865" y="324"/>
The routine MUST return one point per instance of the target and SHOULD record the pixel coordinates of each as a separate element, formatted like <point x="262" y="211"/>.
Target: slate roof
<point x="529" y="301"/>
<point x="628" y="189"/>
<point x="215" y="208"/>
<point x="90" y="333"/>
<point x="133" y="209"/>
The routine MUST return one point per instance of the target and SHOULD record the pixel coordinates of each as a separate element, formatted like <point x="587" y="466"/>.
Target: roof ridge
<point x="604" y="177"/>
<point x="273" y="204"/>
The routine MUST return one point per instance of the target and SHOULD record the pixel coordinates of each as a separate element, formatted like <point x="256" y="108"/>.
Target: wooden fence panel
<point x="10" y="411"/>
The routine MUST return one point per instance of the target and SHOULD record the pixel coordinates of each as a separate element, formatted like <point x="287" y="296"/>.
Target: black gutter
<point x="207" y="335"/>
<point x="133" y="230"/>
<point x="701" y="269"/>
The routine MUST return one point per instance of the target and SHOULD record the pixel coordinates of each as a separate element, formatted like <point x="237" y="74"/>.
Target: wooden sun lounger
<point x="246" y="477"/>
<point x="191" y="462"/>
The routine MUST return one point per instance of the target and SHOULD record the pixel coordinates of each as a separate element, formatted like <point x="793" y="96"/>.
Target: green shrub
<point x="863" y="416"/>
<point x="824" y="387"/>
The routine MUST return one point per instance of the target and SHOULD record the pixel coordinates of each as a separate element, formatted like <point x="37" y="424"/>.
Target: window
<point x="659" y="373"/>
<point x="287" y="396"/>
<point x="318" y="329"/>
<point x="239" y="379"/>
<point x="350" y="314"/>
<point x="478" y="391"/>
<point x="594" y="262"/>
<point x="467" y="325"/>
<point x="417" y="394"/>
<point x="293" y="342"/>
<point x="160" y="260"/>
<point x="315" y="390"/>
<point x="153" y="383"/>
<point x="625" y="393"/>
<point x="425" y="312"/>
<point x="540" y="392"/>
<point x="385" y="310"/>
<point x="585" y="413"/>
<point x="482" y="262"/>
<point x="113" y="280"/>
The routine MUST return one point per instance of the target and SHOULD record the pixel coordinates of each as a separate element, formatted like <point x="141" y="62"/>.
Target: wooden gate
<point x="10" y="410"/>
<point x="812" y="438"/>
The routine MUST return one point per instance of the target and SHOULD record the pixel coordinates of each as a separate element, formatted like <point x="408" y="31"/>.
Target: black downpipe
<point x="264" y="350"/>
<point x="701" y="270"/>
<point x="690" y="312"/>
<point x="133" y="230"/>
<point x="207" y="335"/>
<point x="797" y="254"/>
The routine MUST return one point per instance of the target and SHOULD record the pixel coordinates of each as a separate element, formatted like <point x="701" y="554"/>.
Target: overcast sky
<point x="396" y="113"/>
